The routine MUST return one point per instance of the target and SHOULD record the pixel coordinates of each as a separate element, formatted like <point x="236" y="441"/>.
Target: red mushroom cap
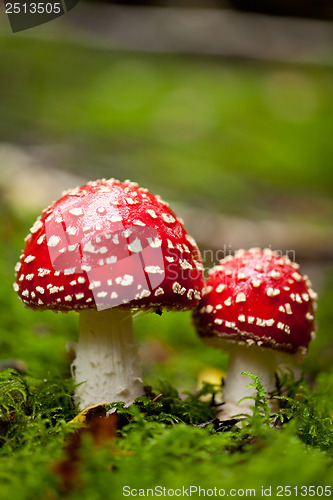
<point x="259" y="297"/>
<point x="106" y="244"/>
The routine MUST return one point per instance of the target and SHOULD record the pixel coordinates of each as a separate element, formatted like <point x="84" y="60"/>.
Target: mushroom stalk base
<point x="107" y="364"/>
<point x="259" y="361"/>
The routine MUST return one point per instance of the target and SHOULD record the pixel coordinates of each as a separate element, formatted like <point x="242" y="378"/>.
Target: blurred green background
<point x="247" y="144"/>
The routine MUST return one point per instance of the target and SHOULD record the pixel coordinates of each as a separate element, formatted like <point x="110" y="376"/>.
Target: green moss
<point x="29" y="408"/>
<point x="163" y="440"/>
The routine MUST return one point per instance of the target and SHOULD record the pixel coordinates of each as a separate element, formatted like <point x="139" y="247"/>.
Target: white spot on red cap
<point x="70" y="270"/>
<point x="312" y="294"/>
<point x="184" y="264"/>
<point x="176" y="287"/>
<point x="115" y="218"/>
<point x="77" y="211"/>
<point x="135" y="246"/>
<point x="169" y="219"/>
<point x="154" y="270"/>
<point x="145" y="293"/>
<point x="230" y="324"/>
<point x="198" y="265"/>
<point x="29" y="258"/>
<point x="41" y="239"/>
<point x="298" y="298"/>
<point x="37" y="225"/>
<point x="71" y="230"/>
<point x="220" y="288"/>
<point x="43" y="272"/>
<point x="288" y="308"/>
<point x="152" y="213"/>
<point x="111" y="260"/>
<point x="130" y="201"/>
<point x="86" y="268"/>
<point x="240" y="297"/>
<point x="89" y="247"/>
<point x="94" y="284"/>
<point x="155" y="243"/>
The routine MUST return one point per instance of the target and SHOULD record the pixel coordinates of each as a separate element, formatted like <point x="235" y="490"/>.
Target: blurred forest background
<point x="226" y="114"/>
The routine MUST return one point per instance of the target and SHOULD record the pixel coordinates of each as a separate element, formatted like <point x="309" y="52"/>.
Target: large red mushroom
<point x="107" y="249"/>
<point x="255" y="305"/>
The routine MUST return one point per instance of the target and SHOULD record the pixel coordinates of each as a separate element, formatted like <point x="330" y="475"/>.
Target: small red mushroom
<point x="255" y="304"/>
<point x="107" y="249"/>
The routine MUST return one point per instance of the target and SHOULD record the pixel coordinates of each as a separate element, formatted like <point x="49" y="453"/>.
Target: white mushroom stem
<point x="246" y="358"/>
<point x="107" y="364"/>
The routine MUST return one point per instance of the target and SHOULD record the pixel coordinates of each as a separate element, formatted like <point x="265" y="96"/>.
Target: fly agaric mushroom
<point x="107" y="249"/>
<point x="254" y="305"/>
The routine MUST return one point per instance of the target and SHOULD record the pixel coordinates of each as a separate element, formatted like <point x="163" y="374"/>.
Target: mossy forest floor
<point x="237" y="138"/>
